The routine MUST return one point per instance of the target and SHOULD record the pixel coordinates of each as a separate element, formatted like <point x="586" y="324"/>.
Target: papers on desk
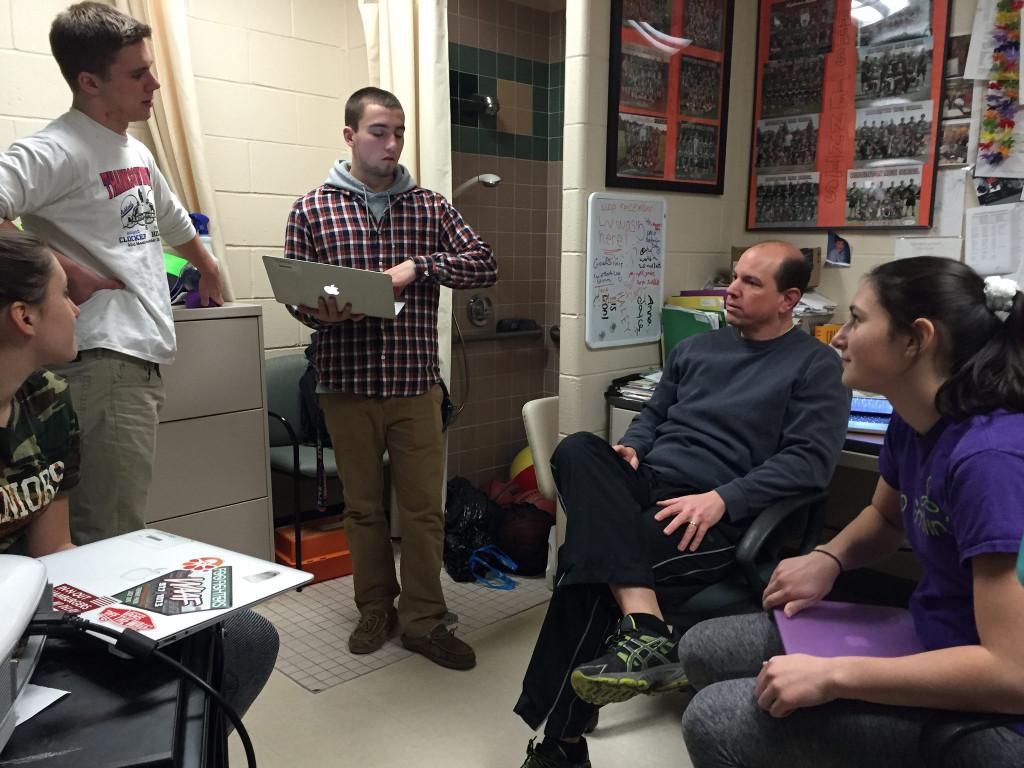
<point x="33" y="700"/>
<point x="813" y="303"/>
<point x="639" y="387"/>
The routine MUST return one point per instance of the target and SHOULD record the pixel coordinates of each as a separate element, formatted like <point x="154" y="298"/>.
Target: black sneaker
<point x="638" y="661"/>
<point x="543" y="756"/>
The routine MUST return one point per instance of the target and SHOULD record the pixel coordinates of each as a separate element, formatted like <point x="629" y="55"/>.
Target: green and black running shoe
<point x="638" y="661"/>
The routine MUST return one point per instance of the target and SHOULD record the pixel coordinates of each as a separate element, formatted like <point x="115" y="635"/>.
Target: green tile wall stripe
<point x="479" y="61"/>
<point x="482" y="68"/>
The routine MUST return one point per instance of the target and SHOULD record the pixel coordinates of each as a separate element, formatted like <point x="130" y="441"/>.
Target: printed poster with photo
<point x="800" y="28"/>
<point x="787" y="143"/>
<point x="787" y="200"/>
<point x="883" y="196"/>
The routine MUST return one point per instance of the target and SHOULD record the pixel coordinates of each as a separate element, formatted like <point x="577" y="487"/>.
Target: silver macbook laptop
<point x="304" y="282"/>
<point x="162" y="585"/>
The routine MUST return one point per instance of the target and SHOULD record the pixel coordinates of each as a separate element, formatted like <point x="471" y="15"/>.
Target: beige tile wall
<point x="271" y="80"/>
<point x="272" y="77"/>
<point x="522" y="220"/>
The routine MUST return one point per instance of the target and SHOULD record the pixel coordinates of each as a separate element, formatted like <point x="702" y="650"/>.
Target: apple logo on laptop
<point x="331" y="290"/>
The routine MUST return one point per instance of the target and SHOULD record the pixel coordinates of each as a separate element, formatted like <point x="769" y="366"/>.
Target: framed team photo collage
<point x="668" y="94"/>
<point x="847" y="113"/>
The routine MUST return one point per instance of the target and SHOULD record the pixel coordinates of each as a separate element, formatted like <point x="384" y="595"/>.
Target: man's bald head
<point x="793" y="269"/>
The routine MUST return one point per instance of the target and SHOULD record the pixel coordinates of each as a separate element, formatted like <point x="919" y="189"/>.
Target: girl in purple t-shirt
<point x="947" y="348"/>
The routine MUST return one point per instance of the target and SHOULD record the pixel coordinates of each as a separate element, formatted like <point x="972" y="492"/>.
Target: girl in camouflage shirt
<point x="38" y="427"/>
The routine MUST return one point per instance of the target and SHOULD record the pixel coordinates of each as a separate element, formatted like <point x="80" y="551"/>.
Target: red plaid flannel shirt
<point x="375" y="357"/>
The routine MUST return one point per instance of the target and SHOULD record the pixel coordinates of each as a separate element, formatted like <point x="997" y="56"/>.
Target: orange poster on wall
<point x="668" y="94"/>
<point x="846" y="113"/>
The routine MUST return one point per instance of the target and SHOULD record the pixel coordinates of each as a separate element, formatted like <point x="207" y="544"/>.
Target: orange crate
<point x="325" y="551"/>
<point x="322" y="568"/>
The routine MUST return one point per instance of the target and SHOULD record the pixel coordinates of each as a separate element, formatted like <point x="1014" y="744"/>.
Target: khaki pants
<point x="118" y="399"/>
<point x="409" y="428"/>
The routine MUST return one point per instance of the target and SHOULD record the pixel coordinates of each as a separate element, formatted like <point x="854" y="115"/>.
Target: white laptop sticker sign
<point x="183" y="591"/>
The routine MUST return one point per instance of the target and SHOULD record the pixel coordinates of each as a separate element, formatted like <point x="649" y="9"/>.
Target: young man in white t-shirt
<point x="96" y="195"/>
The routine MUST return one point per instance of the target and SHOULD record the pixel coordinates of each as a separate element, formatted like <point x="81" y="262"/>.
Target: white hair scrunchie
<point x="999" y="293"/>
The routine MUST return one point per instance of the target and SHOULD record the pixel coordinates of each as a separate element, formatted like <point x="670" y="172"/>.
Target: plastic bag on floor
<point x="469" y="520"/>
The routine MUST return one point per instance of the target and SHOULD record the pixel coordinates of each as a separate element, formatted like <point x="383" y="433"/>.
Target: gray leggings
<point x="724" y="728"/>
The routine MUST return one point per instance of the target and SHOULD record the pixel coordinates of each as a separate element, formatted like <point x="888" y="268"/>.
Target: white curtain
<point x="407" y="49"/>
<point x="174" y="125"/>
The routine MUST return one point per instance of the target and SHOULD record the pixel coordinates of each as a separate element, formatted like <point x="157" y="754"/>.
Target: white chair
<point x="541" y="419"/>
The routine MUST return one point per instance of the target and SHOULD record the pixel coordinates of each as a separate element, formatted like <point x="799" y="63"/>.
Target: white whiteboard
<point x="625" y="261"/>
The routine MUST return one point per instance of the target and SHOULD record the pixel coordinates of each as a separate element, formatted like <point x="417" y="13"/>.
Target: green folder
<point x="678" y="323"/>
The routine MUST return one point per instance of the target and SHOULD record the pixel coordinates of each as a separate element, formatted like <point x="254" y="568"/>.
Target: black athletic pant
<point x="611" y="538"/>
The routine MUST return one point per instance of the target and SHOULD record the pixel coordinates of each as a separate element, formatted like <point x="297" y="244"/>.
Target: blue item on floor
<point x="487" y="565"/>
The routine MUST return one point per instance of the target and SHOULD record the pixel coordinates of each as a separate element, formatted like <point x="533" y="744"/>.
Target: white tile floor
<point x="314" y="625"/>
<point x="415" y="714"/>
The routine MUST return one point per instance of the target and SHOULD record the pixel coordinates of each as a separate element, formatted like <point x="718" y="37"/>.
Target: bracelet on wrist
<point x="829" y="554"/>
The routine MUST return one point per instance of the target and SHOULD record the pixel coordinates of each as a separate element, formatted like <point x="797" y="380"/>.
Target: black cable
<point x="465" y="366"/>
<point x="229" y="711"/>
<point x="139" y="646"/>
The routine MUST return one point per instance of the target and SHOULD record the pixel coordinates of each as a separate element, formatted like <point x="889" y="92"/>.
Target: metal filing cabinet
<point x="211" y="480"/>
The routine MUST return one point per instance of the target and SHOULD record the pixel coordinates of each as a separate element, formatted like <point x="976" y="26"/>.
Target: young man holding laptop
<point x="379" y="379"/>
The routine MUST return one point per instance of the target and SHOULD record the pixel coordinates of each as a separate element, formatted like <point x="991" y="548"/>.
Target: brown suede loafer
<point x="374" y="627"/>
<point x="442" y="647"/>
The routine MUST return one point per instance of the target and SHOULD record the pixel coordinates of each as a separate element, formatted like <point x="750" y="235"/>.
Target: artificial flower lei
<point x="995" y="141"/>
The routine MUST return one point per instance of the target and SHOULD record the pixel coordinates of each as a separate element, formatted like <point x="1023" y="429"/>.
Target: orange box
<point x="827" y="331"/>
<point x="325" y="551"/>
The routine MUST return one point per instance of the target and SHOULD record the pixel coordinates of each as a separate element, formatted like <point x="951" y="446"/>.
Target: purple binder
<point x="831" y="629"/>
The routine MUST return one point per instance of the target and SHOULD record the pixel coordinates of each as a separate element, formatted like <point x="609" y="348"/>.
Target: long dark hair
<point x="26" y="265"/>
<point x="985" y="352"/>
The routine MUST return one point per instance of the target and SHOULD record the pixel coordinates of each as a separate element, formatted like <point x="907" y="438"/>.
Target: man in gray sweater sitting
<point x="743" y="417"/>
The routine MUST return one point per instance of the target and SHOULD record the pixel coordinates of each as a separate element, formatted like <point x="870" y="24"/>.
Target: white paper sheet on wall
<point x="979" y="54"/>
<point x="948" y="215"/>
<point x="947" y="247"/>
<point x="992" y="238"/>
<point x="978" y="98"/>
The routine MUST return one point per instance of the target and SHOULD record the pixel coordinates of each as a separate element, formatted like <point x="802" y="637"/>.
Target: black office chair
<point x="287" y="453"/>
<point x="788" y="527"/>
<point x="797" y="519"/>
